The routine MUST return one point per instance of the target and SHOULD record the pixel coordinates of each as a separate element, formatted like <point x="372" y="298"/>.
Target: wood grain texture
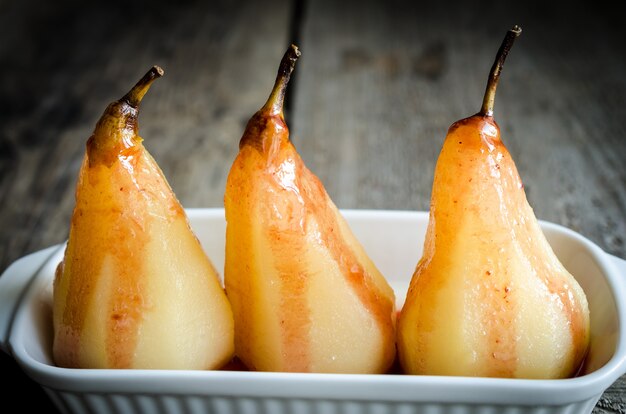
<point x="57" y="81"/>
<point x="370" y="102"/>
<point x="378" y="86"/>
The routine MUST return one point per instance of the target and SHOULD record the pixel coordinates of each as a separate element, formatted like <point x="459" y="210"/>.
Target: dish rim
<point x="396" y="387"/>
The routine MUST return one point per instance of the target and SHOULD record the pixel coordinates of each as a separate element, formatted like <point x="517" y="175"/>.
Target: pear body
<point x="489" y="297"/>
<point x="304" y="293"/>
<point x="135" y="289"/>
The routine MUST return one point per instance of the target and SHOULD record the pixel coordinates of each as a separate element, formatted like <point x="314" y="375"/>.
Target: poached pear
<point x="135" y="288"/>
<point x="305" y="295"/>
<point x="489" y="297"/>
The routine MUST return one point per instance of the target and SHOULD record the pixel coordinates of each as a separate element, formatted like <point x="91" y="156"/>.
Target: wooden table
<point x="376" y="88"/>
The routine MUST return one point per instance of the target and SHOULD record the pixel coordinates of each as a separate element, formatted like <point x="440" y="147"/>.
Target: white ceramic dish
<point x="394" y="241"/>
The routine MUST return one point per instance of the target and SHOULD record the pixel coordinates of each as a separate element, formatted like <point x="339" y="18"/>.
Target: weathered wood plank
<point x="63" y="62"/>
<point x="378" y="87"/>
<point x="62" y="66"/>
<point x="379" y="83"/>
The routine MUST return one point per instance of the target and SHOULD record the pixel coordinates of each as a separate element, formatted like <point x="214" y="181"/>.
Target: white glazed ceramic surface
<point x="394" y="241"/>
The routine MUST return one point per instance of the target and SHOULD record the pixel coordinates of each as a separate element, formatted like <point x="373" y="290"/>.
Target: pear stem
<point x="135" y="95"/>
<point x="494" y="74"/>
<point x="274" y="104"/>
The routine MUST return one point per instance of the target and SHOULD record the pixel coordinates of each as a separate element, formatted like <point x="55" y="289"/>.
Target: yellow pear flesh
<point x="135" y="289"/>
<point x="489" y="297"/>
<point x="304" y="293"/>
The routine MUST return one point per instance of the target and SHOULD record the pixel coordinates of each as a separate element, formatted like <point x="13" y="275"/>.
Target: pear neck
<point x="117" y="128"/>
<point x="121" y="116"/>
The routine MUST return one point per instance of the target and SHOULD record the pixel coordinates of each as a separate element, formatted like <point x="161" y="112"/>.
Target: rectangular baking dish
<point x="394" y="241"/>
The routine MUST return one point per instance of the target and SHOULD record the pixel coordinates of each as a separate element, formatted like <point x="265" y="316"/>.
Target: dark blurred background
<point x="372" y="97"/>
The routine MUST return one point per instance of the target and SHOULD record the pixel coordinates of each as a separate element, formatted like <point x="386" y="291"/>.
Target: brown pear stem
<point x="135" y="95"/>
<point x="274" y="104"/>
<point x="494" y="74"/>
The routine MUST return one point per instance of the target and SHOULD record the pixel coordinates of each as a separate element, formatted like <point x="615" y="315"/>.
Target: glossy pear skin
<point x="135" y="289"/>
<point x="489" y="297"/>
<point x="305" y="295"/>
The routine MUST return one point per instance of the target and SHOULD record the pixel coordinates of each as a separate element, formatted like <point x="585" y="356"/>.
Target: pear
<point x="488" y="297"/>
<point x="135" y="288"/>
<point x="305" y="295"/>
